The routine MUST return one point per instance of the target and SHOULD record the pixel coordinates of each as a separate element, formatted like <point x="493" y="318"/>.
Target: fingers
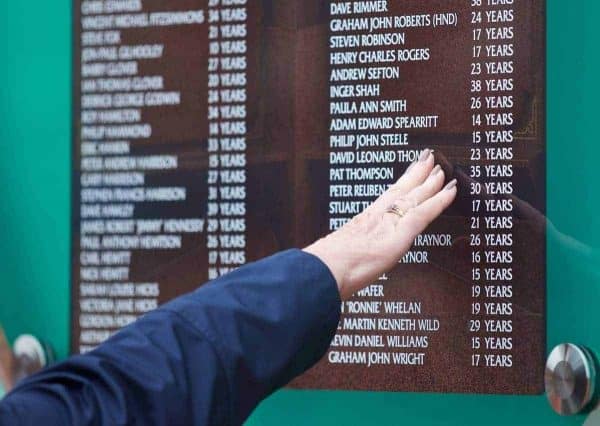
<point x="414" y="176"/>
<point x="420" y="194"/>
<point x="429" y="188"/>
<point x="425" y="213"/>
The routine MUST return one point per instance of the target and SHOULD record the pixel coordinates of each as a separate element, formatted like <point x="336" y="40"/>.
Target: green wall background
<point x="35" y="114"/>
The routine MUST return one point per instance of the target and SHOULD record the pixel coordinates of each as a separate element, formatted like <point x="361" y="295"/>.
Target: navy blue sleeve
<point x="208" y="357"/>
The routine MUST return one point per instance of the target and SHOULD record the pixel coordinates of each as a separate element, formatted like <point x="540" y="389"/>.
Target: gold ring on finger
<point x="395" y="209"/>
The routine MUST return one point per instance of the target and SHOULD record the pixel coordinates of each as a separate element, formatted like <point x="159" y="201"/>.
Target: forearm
<point x="206" y="358"/>
<point x="211" y="356"/>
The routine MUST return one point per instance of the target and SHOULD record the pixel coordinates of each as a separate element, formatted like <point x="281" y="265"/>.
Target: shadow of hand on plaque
<point x="576" y="253"/>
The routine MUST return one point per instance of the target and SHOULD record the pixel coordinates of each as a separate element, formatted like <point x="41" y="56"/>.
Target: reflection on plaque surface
<point x="208" y="134"/>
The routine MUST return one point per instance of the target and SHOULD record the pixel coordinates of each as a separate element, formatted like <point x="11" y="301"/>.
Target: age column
<point x="227" y="95"/>
<point x="491" y="170"/>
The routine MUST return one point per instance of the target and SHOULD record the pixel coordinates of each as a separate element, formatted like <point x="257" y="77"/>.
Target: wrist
<point x="337" y="262"/>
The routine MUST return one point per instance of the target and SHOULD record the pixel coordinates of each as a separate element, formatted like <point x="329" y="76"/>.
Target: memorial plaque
<point x="208" y="134"/>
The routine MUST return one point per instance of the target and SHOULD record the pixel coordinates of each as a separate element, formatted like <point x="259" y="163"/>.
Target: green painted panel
<point x="35" y="55"/>
<point x="35" y="49"/>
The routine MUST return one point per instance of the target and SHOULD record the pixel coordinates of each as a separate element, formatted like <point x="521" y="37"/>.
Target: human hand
<point x="375" y="240"/>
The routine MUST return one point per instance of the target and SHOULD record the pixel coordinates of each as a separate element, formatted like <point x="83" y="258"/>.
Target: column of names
<point x="371" y="135"/>
<point x="116" y="95"/>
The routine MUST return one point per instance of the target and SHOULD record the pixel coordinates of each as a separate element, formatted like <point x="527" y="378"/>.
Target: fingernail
<point x="425" y="155"/>
<point x="436" y="170"/>
<point x="451" y="185"/>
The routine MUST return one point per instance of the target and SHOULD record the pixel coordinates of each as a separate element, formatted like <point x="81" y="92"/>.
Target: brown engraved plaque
<point x="208" y="134"/>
